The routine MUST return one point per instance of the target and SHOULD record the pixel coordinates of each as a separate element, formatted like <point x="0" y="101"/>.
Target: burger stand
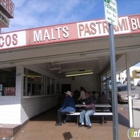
<point x="37" y="50"/>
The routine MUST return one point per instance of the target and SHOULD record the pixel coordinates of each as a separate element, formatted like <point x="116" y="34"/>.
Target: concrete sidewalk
<point x="43" y="127"/>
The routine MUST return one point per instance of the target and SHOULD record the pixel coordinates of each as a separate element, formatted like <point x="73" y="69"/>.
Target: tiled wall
<point x="10" y="106"/>
<point x="9" y="110"/>
<point x="17" y="109"/>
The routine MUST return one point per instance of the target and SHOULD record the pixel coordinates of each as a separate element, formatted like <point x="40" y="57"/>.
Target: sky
<point x="38" y="13"/>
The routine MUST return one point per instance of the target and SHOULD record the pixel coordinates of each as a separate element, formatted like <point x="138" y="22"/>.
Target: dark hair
<point x="103" y="92"/>
<point x="82" y="89"/>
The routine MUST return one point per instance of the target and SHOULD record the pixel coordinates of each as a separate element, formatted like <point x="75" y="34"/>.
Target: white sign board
<point x="111" y="13"/>
<point x="136" y="103"/>
<point x="12" y="40"/>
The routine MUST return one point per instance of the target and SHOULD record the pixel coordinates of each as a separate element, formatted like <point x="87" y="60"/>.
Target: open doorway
<point x="65" y="87"/>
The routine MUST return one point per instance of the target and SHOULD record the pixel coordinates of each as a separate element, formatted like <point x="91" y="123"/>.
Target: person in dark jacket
<point x="68" y="106"/>
<point x="102" y="99"/>
<point x="89" y="109"/>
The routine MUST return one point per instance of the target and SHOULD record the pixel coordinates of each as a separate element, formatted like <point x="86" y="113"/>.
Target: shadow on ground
<point x="67" y="136"/>
<point x="51" y="115"/>
<point x="123" y="121"/>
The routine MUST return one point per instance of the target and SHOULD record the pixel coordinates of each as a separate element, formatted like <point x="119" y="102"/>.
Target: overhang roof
<point x="74" y="54"/>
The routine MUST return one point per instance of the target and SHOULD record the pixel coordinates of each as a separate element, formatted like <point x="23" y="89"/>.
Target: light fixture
<point x="79" y="73"/>
<point x="59" y="71"/>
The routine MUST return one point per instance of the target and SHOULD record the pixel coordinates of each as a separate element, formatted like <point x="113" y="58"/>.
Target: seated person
<point x="102" y="99"/>
<point x="95" y="95"/>
<point x="67" y="107"/>
<point x="89" y="109"/>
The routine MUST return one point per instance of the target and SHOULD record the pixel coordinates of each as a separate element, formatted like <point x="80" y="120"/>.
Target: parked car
<point x="123" y="93"/>
<point x="138" y="84"/>
<point x="118" y="83"/>
<point x="132" y="82"/>
<point x="110" y="85"/>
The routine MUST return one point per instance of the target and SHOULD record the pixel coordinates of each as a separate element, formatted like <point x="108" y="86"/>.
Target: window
<point x="8" y="81"/>
<point x="32" y="83"/>
<point x="37" y="84"/>
<point x="51" y="83"/>
<point x="57" y="88"/>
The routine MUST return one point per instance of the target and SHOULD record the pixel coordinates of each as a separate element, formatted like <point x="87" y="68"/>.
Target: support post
<point x="113" y="81"/>
<point x="129" y="91"/>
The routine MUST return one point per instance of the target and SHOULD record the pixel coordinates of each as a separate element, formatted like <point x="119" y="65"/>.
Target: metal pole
<point x="113" y="81"/>
<point x="129" y="91"/>
<point x="0" y="28"/>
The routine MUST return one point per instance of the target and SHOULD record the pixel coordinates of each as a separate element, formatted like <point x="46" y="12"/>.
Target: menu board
<point x="9" y="91"/>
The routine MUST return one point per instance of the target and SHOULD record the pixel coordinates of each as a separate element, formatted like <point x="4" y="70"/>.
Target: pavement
<point x="42" y="127"/>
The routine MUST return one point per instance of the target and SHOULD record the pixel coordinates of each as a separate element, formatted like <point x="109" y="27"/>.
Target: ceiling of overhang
<point x="72" y="56"/>
<point x="97" y="64"/>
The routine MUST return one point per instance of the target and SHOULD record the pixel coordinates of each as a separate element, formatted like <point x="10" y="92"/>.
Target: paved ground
<point x="43" y="127"/>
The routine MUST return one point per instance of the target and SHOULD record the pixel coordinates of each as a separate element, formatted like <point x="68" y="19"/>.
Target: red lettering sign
<point x="135" y="23"/>
<point x="9" y="91"/>
<point x="8" y="40"/>
<point x="51" y="34"/>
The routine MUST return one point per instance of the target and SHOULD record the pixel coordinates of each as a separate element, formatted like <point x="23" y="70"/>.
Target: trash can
<point x="136" y="113"/>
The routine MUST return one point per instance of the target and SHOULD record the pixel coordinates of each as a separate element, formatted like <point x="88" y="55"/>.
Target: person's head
<point x="87" y="95"/>
<point x="81" y="88"/>
<point x="103" y="93"/>
<point x="68" y="93"/>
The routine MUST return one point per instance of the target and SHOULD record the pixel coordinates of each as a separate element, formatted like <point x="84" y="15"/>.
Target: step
<point x="8" y="130"/>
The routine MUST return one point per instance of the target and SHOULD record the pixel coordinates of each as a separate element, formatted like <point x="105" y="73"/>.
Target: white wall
<point x="9" y="110"/>
<point x="10" y="105"/>
<point x="34" y="105"/>
<point x="89" y="82"/>
<point x="31" y="106"/>
<point x="17" y="109"/>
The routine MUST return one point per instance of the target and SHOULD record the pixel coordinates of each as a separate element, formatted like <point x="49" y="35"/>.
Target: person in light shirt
<point x="82" y="95"/>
